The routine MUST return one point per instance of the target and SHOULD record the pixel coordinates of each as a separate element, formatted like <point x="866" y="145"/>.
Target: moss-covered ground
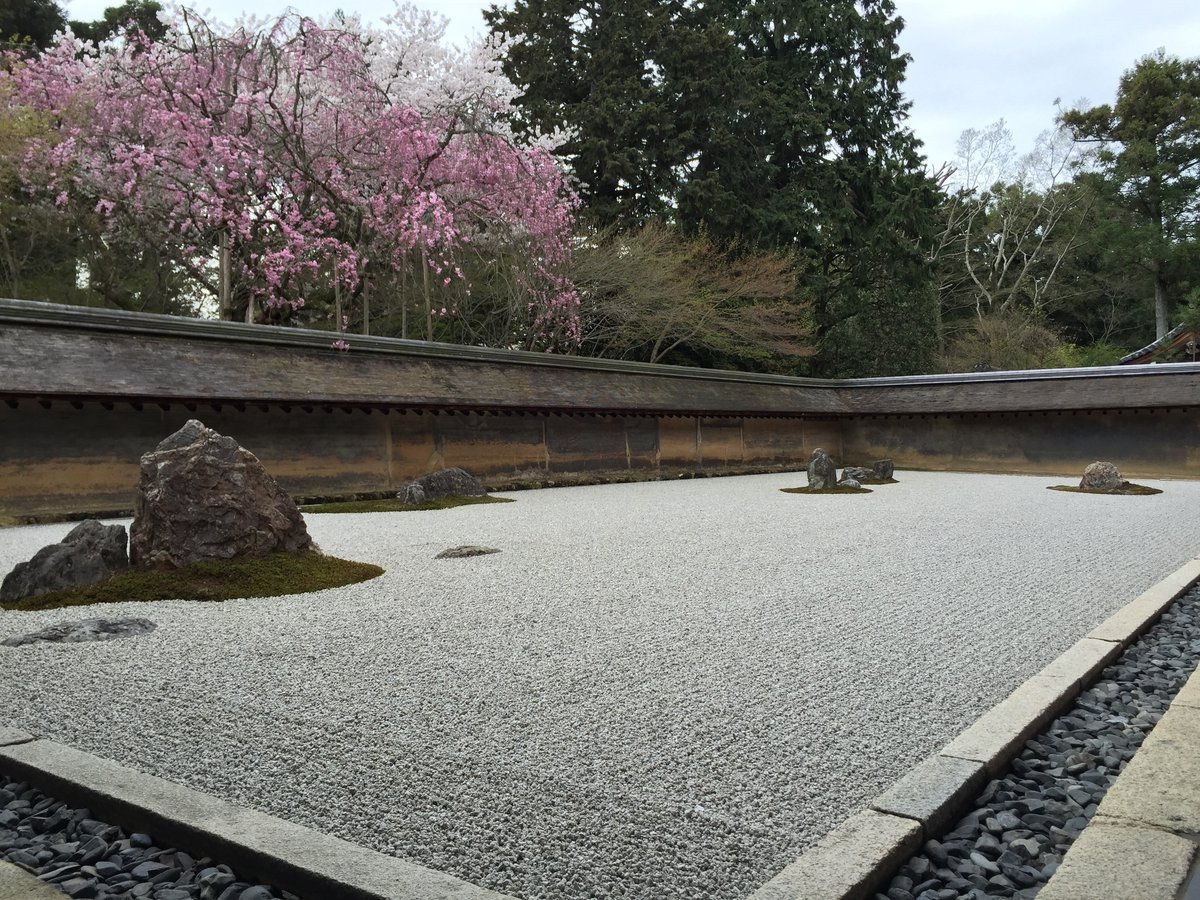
<point x="393" y="505"/>
<point x="1127" y="488"/>
<point x="268" y="576"/>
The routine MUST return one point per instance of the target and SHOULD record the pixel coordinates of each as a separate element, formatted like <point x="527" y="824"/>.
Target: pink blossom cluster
<point x="310" y="152"/>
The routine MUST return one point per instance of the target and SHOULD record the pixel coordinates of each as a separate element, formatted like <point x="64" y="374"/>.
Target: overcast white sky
<point x="973" y="61"/>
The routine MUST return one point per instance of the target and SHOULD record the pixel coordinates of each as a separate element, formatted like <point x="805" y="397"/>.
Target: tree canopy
<point x="269" y="162"/>
<point x="775" y="125"/>
<point x="142" y="15"/>
<point x="1149" y="166"/>
<point x="35" y="21"/>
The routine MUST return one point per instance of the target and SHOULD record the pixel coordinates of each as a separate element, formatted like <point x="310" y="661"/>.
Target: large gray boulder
<point x="452" y="482"/>
<point x="883" y="469"/>
<point x="1101" y="476"/>
<point x="83" y="631"/>
<point x="201" y="496"/>
<point x="822" y="472"/>
<point x="857" y="473"/>
<point x="90" y="553"/>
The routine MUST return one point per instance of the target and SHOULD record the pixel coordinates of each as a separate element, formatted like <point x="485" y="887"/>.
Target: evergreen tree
<point x="771" y="124"/>
<point x="597" y="69"/>
<point x="35" y="21"/>
<point x="139" y="14"/>
<point x="1150" y="160"/>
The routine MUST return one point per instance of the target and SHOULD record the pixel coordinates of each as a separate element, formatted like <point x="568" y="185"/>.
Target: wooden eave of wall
<point x="53" y="352"/>
<point x="111" y="357"/>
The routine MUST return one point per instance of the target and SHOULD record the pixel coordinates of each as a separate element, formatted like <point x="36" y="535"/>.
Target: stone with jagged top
<point x="203" y="497"/>
<point x="822" y="471"/>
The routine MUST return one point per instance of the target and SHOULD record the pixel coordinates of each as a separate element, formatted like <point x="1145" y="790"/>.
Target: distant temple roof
<point x="1171" y="347"/>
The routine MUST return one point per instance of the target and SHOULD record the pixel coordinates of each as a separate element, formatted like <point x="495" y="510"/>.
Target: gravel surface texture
<point x="657" y="690"/>
<point x="1022" y="825"/>
<point x="91" y="860"/>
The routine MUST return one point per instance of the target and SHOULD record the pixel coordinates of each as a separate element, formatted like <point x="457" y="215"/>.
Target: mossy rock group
<point x="1105" y="478"/>
<point x="265" y="576"/>
<point x="209" y="524"/>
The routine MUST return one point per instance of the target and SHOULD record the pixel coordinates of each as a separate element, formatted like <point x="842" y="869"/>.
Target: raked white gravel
<point x="660" y="690"/>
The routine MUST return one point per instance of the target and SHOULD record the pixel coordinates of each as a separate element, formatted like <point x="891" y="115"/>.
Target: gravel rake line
<point x="1013" y="840"/>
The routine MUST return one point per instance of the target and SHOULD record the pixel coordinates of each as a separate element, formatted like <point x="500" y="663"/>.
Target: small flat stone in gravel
<point x="466" y="550"/>
<point x="83" y="631"/>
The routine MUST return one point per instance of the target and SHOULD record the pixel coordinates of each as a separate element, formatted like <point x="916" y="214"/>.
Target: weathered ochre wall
<point x="61" y="458"/>
<point x="1142" y="442"/>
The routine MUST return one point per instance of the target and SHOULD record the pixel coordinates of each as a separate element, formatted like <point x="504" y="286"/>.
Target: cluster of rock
<point x="86" y="858"/>
<point x="1012" y="842"/>
<point x="823" y="475"/>
<point x="200" y="497"/>
<point x="445" y="483"/>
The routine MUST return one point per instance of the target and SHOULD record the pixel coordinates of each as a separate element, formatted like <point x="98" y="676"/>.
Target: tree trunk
<point x="428" y="302"/>
<point x="1162" y="321"/>
<point x="404" y="303"/>
<point x="366" y="310"/>
<point x="224" y="301"/>
<point x="337" y="303"/>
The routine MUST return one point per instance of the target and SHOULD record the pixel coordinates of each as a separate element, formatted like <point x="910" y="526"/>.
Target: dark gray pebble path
<point x="92" y="860"/>
<point x="1022" y="825"/>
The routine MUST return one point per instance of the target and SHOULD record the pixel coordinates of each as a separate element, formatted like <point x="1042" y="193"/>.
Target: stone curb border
<point x="297" y="859"/>
<point x="858" y="857"/>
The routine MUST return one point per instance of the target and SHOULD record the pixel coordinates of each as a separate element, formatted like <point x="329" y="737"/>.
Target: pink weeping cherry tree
<point x="277" y="158"/>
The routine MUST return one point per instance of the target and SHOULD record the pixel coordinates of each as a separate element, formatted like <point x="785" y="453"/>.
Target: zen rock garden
<point x="535" y="665"/>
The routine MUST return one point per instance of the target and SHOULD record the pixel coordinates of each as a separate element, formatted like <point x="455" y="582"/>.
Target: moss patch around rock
<point x="1127" y="489"/>
<point x="878" y="481"/>
<point x="393" y="505"/>
<point x="268" y="576"/>
<point x="832" y="490"/>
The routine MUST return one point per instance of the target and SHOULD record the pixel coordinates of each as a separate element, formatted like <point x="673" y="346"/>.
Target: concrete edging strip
<point x="17" y="884"/>
<point x="853" y="860"/>
<point x="10" y="736"/>
<point x="1135" y="617"/>
<point x="849" y="862"/>
<point x="933" y="792"/>
<point x="295" y="858"/>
